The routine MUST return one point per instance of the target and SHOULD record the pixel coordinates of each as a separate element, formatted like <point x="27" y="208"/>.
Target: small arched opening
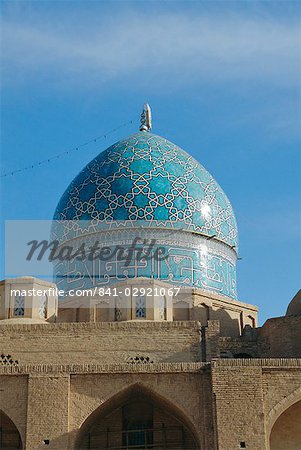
<point x="9" y="435"/>
<point x="286" y="431"/>
<point x="136" y="419"/>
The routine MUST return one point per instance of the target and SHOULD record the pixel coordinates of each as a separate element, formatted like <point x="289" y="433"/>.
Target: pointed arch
<point x="286" y="431"/>
<point x="279" y="411"/>
<point x="10" y="437"/>
<point x="283" y="405"/>
<point x="143" y="393"/>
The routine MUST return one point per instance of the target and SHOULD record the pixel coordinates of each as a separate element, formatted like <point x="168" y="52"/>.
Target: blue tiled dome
<point x="145" y="179"/>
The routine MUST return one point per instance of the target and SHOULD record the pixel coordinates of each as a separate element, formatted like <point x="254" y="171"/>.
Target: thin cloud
<point x="175" y="47"/>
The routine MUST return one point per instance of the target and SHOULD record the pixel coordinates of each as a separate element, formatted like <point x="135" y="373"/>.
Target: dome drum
<point x="177" y="257"/>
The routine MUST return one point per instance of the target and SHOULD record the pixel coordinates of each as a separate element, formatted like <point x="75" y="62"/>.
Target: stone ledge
<point x="73" y="369"/>
<point x="258" y="362"/>
<point x="184" y="367"/>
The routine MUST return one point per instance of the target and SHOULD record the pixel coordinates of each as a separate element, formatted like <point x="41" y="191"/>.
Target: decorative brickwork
<point x="7" y="360"/>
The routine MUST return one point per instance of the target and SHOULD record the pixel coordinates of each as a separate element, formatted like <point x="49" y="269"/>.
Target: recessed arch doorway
<point x="137" y="419"/>
<point x="9" y="435"/>
<point x="286" y="431"/>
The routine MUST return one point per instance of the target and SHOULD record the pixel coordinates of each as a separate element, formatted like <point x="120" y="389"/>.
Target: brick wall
<point x="239" y="407"/>
<point x="13" y="400"/>
<point x="48" y="412"/>
<point x="57" y="408"/>
<point x="101" y="343"/>
<point x="245" y="392"/>
<point x="184" y="395"/>
<point x="280" y="337"/>
<point x="225" y="402"/>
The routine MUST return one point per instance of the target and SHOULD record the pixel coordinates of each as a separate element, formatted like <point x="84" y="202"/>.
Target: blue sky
<point x="224" y="83"/>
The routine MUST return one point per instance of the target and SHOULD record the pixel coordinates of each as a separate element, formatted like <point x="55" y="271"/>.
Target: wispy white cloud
<point x="177" y="48"/>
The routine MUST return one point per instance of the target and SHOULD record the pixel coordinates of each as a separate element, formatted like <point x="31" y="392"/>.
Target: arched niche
<point x="286" y="431"/>
<point x="9" y="435"/>
<point x="181" y="310"/>
<point x="137" y="418"/>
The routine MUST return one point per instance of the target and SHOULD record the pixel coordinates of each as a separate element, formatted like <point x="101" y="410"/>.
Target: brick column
<point x="47" y="412"/>
<point x="238" y="394"/>
<point x="211" y="334"/>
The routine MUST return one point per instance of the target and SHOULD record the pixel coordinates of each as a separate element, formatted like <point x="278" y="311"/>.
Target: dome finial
<point x="146" y="118"/>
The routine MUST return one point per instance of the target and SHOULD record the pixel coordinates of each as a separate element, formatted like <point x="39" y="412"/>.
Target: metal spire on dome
<point x="146" y="118"/>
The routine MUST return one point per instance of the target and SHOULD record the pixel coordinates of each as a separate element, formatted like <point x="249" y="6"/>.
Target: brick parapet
<point x="101" y="343"/>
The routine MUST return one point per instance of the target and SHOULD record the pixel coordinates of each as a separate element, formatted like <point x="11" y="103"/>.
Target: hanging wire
<point x="67" y="152"/>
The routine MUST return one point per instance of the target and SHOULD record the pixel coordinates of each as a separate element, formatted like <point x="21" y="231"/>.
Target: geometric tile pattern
<point x="145" y="178"/>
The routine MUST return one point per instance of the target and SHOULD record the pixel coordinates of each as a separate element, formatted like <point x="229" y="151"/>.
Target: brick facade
<point x="67" y="373"/>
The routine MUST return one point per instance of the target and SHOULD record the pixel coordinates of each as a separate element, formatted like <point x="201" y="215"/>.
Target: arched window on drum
<point x="19" y="305"/>
<point x="162" y="307"/>
<point x="140" y="307"/>
<point x="43" y="306"/>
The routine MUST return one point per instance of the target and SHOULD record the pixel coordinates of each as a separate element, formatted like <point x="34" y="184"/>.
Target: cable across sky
<point x="66" y="152"/>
